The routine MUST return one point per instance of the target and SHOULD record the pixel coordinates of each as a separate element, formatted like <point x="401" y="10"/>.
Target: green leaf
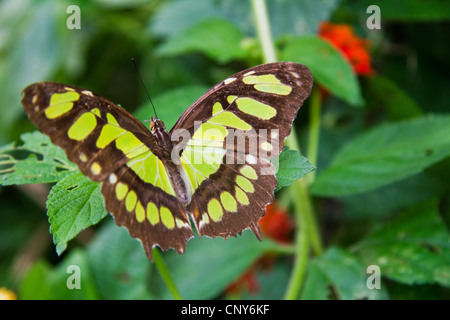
<point x="298" y="17"/>
<point x="271" y="282"/>
<point x="35" y="283"/>
<point x="327" y="65"/>
<point x="120" y="4"/>
<point x="385" y="155"/>
<point x="413" y="248"/>
<point x="380" y="203"/>
<point x="379" y="91"/>
<point x="217" y="260"/>
<point x="74" y="204"/>
<point x="341" y="271"/>
<point x="411" y="10"/>
<point x="32" y="56"/>
<point x="119" y="265"/>
<point x="293" y="166"/>
<point x="42" y="282"/>
<point x="217" y="38"/>
<point x="174" y="17"/>
<point x="44" y="163"/>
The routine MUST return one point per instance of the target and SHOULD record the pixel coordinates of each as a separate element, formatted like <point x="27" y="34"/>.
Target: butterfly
<point x="213" y="166"/>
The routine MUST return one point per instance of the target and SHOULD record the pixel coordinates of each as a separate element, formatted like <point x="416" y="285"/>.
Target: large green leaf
<point x="32" y="54"/>
<point x="327" y="65"/>
<point x="380" y="203"/>
<point x="384" y="155"/>
<point x="215" y="37"/>
<point x="210" y="265"/>
<point x="286" y="17"/>
<point x="413" y="248"/>
<point x="174" y="17"/>
<point x="343" y="273"/>
<point x="381" y="92"/>
<point x="120" y="268"/>
<point x="44" y="162"/>
<point x="42" y="282"/>
<point x="73" y="204"/>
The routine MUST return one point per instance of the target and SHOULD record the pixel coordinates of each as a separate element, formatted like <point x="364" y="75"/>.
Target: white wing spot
<point x="266" y="146"/>
<point x="250" y="159"/>
<point x="83" y="157"/>
<point x="229" y="80"/>
<point x="112" y="178"/>
<point x="87" y="92"/>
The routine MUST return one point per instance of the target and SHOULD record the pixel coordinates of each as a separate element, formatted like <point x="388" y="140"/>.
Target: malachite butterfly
<point x="213" y="165"/>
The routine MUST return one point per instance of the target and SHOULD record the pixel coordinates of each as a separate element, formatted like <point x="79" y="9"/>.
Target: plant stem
<point x="307" y="231"/>
<point x="164" y="272"/>
<point x="301" y="191"/>
<point x="301" y="244"/>
<point x="314" y="131"/>
<point x="262" y="25"/>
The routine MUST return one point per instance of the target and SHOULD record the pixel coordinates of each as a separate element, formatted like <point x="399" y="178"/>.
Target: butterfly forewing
<point x="111" y="146"/>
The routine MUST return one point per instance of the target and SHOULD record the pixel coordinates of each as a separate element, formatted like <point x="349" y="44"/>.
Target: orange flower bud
<point x="353" y="48"/>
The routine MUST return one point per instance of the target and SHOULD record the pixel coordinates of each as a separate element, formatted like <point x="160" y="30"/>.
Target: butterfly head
<point x="156" y="125"/>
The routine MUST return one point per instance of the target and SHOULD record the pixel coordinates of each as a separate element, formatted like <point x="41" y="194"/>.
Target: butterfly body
<point x="162" y="137"/>
<point x="213" y="166"/>
<point x="176" y="172"/>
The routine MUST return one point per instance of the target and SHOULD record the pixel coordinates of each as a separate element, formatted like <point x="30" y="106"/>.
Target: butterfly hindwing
<point x="233" y="199"/>
<point x="149" y="213"/>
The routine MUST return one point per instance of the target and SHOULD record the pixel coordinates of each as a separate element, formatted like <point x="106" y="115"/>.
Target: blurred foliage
<point x="381" y="194"/>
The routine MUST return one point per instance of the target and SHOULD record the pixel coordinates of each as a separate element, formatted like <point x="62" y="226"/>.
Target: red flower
<point x="246" y="281"/>
<point x="354" y="49"/>
<point x="277" y="224"/>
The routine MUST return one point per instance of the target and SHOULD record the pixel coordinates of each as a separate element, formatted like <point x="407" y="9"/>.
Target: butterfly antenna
<point x="143" y="85"/>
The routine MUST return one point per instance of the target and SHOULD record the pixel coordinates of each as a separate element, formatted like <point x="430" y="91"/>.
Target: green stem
<point x="301" y="191"/>
<point x="263" y="30"/>
<point x="161" y="266"/>
<point x="285" y="249"/>
<point x="301" y="243"/>
<point x="307" y="231"/>
<point x="314" y="130"/>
